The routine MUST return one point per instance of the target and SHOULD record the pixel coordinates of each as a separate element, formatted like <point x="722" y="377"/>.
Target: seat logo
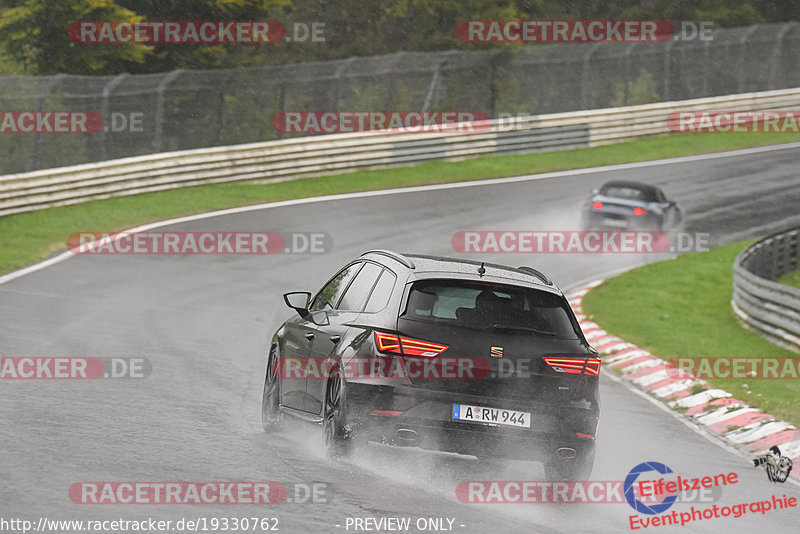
<point x="496" y="352"/>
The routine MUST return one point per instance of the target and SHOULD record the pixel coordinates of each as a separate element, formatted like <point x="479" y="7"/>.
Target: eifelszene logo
<point x="630" y="485"/>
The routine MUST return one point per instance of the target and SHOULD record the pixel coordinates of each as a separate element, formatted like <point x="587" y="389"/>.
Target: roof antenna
<point x="481" y="270"/>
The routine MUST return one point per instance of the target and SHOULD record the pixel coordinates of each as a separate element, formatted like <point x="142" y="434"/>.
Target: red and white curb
<point x="736" y="423"/>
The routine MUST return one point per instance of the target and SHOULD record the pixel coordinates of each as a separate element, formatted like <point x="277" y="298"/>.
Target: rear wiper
<point x="521" y="329"/>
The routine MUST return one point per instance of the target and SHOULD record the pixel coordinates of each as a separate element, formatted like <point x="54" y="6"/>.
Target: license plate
<point x="491" y="416"/>
<point x="621" y="223"/>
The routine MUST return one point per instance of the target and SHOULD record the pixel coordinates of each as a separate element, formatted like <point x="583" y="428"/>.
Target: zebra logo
<point x="777" y="467"/>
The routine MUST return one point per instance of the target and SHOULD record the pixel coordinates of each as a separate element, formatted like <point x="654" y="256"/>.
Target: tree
<point x="170" y="56"/>
<point x="33" y="33"/>
<point x="35" y="37"/>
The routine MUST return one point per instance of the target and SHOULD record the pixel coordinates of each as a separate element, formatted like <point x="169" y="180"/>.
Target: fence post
<point x="667" y="67"/>
<point x="221" y="108"/>
<point x="627" y="60"/>
<point x="434" y="86"/>
<point x="777" y="54"/>
<point x="282" y="105"/>
<point x="36" y="153"/>
<point x="158" y="135"/>
<point x="493" y="88"/>
<point x="742" y="42"/>
<point x="337" y="76"/>
<point x="9" y="167"/>
<point x="104" y="109"/>
<point x="586" y="75"/>
<point x="707" y="62"/>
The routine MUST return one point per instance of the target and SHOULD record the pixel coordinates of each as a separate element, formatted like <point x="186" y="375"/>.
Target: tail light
<point x="575" y="366"/>
<point x="598" y="205"/>
<point x="640" y="211"/>
<point x="387" y="342"/>
<point x="394" y="344"/>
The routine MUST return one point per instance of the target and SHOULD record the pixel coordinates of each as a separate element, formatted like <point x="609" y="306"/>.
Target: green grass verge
<point x="682" y="307"/>
<point x="791" y="278"/>
<point x="30" y="237"/>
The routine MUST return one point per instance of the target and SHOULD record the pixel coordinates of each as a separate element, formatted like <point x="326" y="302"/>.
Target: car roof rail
<point x="394" y="255"/>
<point x="538" y="274"/>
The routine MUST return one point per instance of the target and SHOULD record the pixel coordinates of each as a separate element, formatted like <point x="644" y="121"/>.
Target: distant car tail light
<point x="640" y="211"/>
<point x="393" y="413"/>
<point x="394" y="344"/>
<point x="598" y="205"/>
<point x="575" y="366"/>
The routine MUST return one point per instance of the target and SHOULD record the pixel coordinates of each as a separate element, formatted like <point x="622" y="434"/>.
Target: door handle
<point x="335" y="339"/>
<point x="310" y="336"/>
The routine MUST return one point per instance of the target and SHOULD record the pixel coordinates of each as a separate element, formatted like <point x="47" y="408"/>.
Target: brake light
<point x="598" y="205"/>
<point x="394" y="344"/>
<point x="575" y="366"/>
<point x="387" y="342"/>
<point x="640" y="211"/>
<point x="584" y="436"/>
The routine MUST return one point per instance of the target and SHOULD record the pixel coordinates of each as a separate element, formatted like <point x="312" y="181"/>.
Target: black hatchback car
<point x="630" y="205"/>
<point x="442" y="354"/>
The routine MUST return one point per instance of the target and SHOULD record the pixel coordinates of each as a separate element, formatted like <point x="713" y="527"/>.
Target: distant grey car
<point x="630" y="205"/>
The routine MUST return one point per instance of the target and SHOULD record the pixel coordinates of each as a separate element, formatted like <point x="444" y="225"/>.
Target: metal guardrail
<point x="289" y="159"/>
<point x="765" y="306"/>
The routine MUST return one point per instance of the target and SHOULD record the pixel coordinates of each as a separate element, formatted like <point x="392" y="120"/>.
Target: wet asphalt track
<point x="204" y="321"/>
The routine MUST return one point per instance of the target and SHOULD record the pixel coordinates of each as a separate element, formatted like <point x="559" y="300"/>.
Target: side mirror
<point x="298" y="301"/>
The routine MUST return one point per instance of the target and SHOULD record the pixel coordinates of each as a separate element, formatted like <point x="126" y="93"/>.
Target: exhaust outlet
<point x="566" y="452"/>
<point x="405" y="436"/>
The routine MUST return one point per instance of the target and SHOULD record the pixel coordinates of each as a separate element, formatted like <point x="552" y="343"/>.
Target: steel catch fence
<point x="187" y="109"/>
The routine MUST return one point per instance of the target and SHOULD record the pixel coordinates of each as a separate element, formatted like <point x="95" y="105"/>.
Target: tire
<point x="271" y="415"/>
<point x="338" y="441"/>
<point x="673" y="219"/>
<point x="578" y="468"/>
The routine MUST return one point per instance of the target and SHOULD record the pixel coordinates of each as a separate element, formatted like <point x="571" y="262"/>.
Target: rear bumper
<point x="615" y="221"/>
<point x="459" y="438"/>
<point x="423" y="419"/>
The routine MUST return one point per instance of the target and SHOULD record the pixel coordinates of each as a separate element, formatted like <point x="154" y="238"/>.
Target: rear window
<point x="632" y="193"/>
<point x="482" y="306"/>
